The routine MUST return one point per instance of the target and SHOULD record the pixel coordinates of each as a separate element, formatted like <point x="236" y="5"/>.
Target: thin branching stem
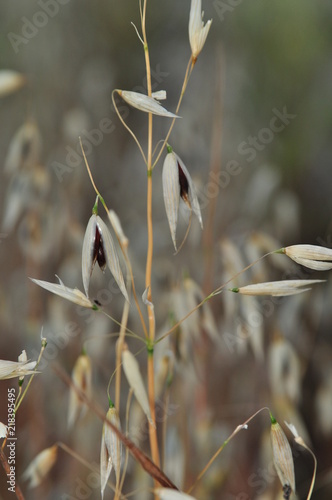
<point x="208" y="297"/>
<point x="217" y="453"/>
<point x="184" y="86"/>
<point x="123" y="249"/>
<point x="148" y="271"/>
<point x="19" y="401"/>
<point x="127" y="126"/>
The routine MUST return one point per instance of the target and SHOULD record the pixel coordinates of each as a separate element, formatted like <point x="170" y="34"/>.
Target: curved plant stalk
<point x="208" y="297"/>
<point x="187" y="75"/>
<point x="19" y="400"/>
<point x="127" y="127"/>
<point x="217" y="453"/>
<point x="123" y="248"/>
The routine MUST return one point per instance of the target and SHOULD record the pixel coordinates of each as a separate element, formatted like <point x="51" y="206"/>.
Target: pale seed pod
<point x="197" y="31"/>
<point x="276" y="288"/>
<point x="111" y="449"/>
<point x="116" y="224"/>
<point x="24" y="149"/>
<point x="135" y="381"/>
<point x="74" y="295"/>
<point x="297" y="438"/>
<point x="310" y="256"/>
<point x="283" y="458"/>
<point x="40" y="466"/>
<point x="144" y="103"/>
<point x="98" y="247"/>
<point x="23" y="359"/>
<point x="82" y="379"/>
<point x="177" y="183"/>
<point x="253" y="326"/>
<point x="12" y="369"/>
<point x="284" y="370"/>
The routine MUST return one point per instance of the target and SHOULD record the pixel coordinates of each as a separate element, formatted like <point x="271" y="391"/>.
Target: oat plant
<point x="106" y="246"/>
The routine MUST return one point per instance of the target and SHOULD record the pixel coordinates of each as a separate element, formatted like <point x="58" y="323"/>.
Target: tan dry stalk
<point x="19" y="401"/>
<point x="217" y="453"/>
<point x="184" y="86"/>
<point x="150" y="369"/>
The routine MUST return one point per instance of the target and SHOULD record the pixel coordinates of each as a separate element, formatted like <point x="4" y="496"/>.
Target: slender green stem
<point x="184" y="86"/>
<point x="123" y="248"/>
<point x="217" y="453"/>
<point x="212" y="294"/>
<point x="127" y="127"/>
<point x="19" y="401"/>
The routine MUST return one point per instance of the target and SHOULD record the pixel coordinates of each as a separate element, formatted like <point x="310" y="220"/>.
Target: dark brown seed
<point x="287" y="491"/>
<point x="184" y="186"/>
<point x="98" y="250"/>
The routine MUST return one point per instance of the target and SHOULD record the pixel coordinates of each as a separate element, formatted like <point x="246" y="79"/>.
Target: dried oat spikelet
<point x="74" y="295"/>
<point x="135" y="381"/>
<point x="177" y="183"/>
<point x="111" y="449"/>
<point x="276" y="288"/>
<point x="23" y="358"/>
<point x="311" y="256"/>
<point x="283" y="458"/>
<point x="24" y="149"/>
<point x="82" y="379"/>
<point x="20" y="368"/>
<point x="116" y="224"/>
<point x="40" y="466"/>
<point x="145" y="103"/>
<point x="284" y="370"/>
<point x="98" y="247"/>
<point x="197" y="31"/>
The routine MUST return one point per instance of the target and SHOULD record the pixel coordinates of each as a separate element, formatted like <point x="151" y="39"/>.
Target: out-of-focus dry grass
<point x="273" y="56"/>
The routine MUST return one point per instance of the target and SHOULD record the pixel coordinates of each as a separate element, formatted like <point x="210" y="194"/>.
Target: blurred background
<point x="255" y="134"/>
